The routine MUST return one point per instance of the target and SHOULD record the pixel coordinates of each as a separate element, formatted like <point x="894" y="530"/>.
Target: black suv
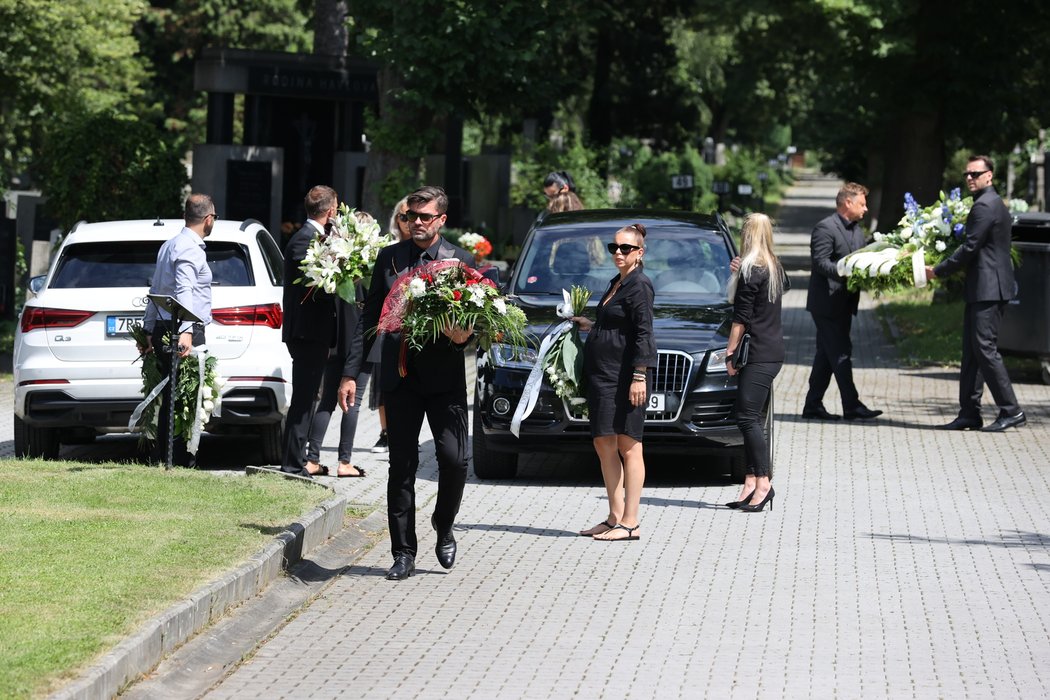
<point x="691" y="407"/>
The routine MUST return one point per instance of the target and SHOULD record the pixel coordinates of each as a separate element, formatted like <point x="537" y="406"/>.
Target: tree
<point x="62" y="57"/>
<point x="173" y="33"/>
<point x="454" y="60"/>
<point x="106" y="166"/>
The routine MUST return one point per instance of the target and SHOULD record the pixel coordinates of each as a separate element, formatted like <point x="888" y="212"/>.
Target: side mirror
<point x="36" y="284"/>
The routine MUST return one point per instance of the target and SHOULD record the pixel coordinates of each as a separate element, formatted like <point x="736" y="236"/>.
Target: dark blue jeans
<point x="753" y="386"/>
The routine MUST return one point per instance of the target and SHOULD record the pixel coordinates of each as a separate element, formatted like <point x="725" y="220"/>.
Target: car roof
<point x="618" y="218"/>
<point x="156" y="229"/>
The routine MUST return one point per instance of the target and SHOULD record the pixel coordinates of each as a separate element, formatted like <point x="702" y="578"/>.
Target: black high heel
<point x="736" y="504"/>
<point x="757" y="508"/>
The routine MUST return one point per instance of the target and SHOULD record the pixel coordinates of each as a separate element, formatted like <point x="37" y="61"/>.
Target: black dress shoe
<point x="404" y="566"/>
<point x="445" y="549"/>
<point x="963" y="424"/>
<point x="1003" y="422"/>
<point x="819" y="413"/>
<point x="861" y="412"/>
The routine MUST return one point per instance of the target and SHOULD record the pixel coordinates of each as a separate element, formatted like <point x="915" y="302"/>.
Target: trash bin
<point x="1025" y="330"/>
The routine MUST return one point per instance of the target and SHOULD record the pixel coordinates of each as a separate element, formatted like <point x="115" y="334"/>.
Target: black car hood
<point x="690" y="328"/>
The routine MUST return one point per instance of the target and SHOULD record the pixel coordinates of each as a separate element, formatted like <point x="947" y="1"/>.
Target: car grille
<point x="671" y="379"/>
<point x="714" y="411"/>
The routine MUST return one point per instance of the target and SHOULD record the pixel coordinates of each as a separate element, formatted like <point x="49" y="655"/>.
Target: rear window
<point x="131" y="264"/>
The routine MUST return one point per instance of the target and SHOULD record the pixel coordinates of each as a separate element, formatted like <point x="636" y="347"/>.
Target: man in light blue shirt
<point x="182" y="272"/>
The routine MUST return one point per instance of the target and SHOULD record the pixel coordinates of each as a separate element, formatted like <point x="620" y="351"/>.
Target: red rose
<point x="456" y="294"/>
<point x="471" y="281"/>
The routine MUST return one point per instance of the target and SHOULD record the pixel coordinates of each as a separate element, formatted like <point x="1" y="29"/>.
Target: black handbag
<point x="739" y="358"/>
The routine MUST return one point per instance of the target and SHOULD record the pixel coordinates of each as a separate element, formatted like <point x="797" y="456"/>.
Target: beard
<point x="425" y="236"/>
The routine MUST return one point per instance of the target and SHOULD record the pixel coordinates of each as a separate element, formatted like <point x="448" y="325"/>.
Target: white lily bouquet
<point x="560" y="359"/>
<point x="336" y="262"/>
<point x="898" y="260"/>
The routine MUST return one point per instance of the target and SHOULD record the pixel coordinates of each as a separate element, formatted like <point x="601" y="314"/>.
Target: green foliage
<point x="172" y="34"/>
<point x="92" y="550"/>
<point x="106" y="166"/>
<point x="585" y="166"/>
<point x="647" y="182"/>
<point x="61" y="57"/>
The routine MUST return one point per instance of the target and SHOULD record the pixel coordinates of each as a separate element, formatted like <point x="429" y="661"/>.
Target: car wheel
<point x="272" y="445"/>
<point x="490" y="464"/>
<point x="35" y="442"/>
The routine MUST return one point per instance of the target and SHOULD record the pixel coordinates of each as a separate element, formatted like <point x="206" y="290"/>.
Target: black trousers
<point x="753" y="386"/>
<point x="308" y="364"/>
<point x="446" y="413"/>
<point x="322" y="415"/>
<point x="159" y="454"/>
<point x="834" y="357"/>
<point x="982" y="363"/>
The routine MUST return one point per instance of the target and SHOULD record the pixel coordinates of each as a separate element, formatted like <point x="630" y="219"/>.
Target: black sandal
<point x="618" y="526"/>
<point x="584" y="533"/>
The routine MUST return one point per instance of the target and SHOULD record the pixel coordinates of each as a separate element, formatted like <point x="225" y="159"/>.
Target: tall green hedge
<point x="105" y="166"/>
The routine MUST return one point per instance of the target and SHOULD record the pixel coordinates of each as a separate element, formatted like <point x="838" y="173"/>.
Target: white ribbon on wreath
<point x="531" y="393"/>
<point x="201" y="353"/>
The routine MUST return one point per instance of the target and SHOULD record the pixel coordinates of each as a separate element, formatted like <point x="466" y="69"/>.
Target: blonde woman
<point x="756" y="290"/>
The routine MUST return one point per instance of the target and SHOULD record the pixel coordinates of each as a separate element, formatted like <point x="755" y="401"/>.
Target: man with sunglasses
<point x="182" y="272"/>
<point x="434" y="386"/>
<point x="989" y="287"/>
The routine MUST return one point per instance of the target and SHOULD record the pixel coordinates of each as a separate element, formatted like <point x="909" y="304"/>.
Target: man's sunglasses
<point x="623" y="248"/>
<point x="418" y="215"/>
<point x="975" y="173"/>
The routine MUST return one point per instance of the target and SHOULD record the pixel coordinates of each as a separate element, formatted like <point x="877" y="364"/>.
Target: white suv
<point x="75" y="372"/>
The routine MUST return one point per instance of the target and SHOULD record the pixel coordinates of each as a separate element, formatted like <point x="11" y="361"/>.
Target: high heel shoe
<point x="757" y="508"/>
<point x="736" y="504"/>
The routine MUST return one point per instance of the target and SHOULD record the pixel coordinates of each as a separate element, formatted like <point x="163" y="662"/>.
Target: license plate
<point x="120" y="326"/>
<point x="656" y="403"/>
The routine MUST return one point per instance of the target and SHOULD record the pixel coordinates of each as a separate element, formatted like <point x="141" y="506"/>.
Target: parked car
<point x="75" y="369"/>
<point x="691" y="407"/>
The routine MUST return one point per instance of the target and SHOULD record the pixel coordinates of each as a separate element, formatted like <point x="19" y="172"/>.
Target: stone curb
<point x="141" y="652"/>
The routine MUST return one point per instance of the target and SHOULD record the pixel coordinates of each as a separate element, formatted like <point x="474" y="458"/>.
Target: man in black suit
<point x="833" y="306"/>
<point x="308" y="330"/>
<point x="989" y="286"/>
<point x="434" y="386"/>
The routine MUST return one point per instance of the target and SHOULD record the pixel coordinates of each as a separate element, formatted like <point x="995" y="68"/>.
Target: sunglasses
<point x="402" y="217"/>
<point x="418" y="215"/>
<point x="622" y="248"/>
<point x="975" y="173"/>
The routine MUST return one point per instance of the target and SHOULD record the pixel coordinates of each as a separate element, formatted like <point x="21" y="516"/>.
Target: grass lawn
<point x="91" y="551"/>
<point x="931" y="334"/>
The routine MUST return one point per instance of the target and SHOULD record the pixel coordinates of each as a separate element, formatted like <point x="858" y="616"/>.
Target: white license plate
<point x="656" y="403"/>
<point x="120" y="326"/>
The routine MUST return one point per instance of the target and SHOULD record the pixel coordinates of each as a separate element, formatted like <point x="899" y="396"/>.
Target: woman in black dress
<point x="618" y="353"/>
<point x="756" y="290"/>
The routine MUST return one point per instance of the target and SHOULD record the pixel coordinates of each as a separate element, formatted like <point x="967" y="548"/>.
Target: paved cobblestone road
<point x="899" y="562"/>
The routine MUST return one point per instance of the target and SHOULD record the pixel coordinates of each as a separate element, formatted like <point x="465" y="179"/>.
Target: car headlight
<point x="716" y="361"/>
<point x="504" y="355"/>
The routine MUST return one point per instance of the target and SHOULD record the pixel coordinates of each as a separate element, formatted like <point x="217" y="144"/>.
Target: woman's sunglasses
<point x="623" y="248"/>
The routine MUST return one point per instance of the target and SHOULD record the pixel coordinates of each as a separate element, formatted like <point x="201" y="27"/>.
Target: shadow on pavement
<point x="518" y="529"/>
<point x="1011" y="539"/>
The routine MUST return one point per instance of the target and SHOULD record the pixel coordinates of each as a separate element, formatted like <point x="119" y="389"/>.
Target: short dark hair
<point x="849" y="191"/>
<point x="319" y="200"/>
<point x="427" y="194"/>
<point x="988" y="162"/>
<point x="198" y="207"/>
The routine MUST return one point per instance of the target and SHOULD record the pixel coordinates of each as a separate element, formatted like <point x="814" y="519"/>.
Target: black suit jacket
<point x="830" y="242"/>
<point x="309" y="313"/>
<point x="985" y="254"/>
<point x="438" y="367"/>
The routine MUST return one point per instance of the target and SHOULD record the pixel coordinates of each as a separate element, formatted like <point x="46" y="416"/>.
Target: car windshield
<point x="683" y="261"/>
<point x="131" y="264"/>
